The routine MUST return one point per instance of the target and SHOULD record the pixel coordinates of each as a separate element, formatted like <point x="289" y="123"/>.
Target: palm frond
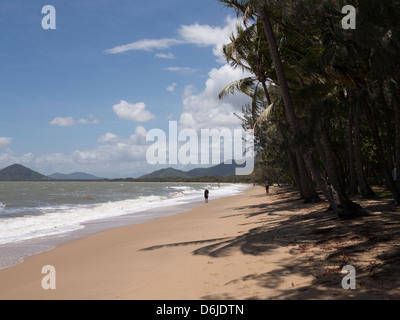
<point x="245" y="85"/>
<point x="265" y="115"/>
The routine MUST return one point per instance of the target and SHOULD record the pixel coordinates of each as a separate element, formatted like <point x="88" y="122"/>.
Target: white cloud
<point x="119" y="157"/>
<point x="43" y="164"/>
<point x="197" y="34"/>
<point x="145" y="45"/>
<point x="5" y="142"/>
<point x="183" y="70"/>
<point x="62" y="122"/>
<point x="172" y="87"/>
<point x="139" y="137"/>
<point x="133" y="112"/>
<point x="165" y="55"/>
<point x="205" y="35"/>
<point x="205" y="110"/>
<point x="90" y="120"/>
<point x="108" y="137"/>
<point x="69" y="121"/>
<point x="110" y="154"/>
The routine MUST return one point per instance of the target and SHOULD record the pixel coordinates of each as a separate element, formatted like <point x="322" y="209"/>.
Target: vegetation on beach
<point x="325" y="99"/>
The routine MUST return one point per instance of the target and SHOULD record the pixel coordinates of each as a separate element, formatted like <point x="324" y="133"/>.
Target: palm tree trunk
<point x="307" y="192"/>
<point x="340" y="204"/>
<point x="300" y="175"/>
<point x="279" y="70"/>
<point x="365" y="189"/>
<point x="264" y="85"/>
<point x="343" y="206"/>
<point x="388" y="119"/>
<point x="286" y="96"/>
<point x="305" y="184"/>
<point x="397" y="120"/>
<point x="294" y="172"/>
<point x="319" y="148"/>
<point x="352" y="186"/>
<point x="330" y="162"/>
<point x="390" y="184"/>
<point x="291" y="160"/>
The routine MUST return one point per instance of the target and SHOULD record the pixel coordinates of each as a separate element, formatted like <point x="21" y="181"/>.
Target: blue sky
<point x="82" y="97"/>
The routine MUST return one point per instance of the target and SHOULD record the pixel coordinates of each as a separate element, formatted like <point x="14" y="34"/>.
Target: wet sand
<point x="250" y="246"/>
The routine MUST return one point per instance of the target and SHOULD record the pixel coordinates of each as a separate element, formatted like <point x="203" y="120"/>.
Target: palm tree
<point x="352" y="187"/>
<point x="248" y="50"/>
<point x="338" y="200"/>
<point x="377" y="39"/>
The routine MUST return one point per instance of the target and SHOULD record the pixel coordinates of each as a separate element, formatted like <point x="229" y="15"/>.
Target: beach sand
<point x="250" y="246"/>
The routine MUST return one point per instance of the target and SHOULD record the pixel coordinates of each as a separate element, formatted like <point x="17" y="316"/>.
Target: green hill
<point x="74" y="176"/>
<point x="17" y="172"/>
<point x="218" y="170"/>
<point x="166" y="173"/>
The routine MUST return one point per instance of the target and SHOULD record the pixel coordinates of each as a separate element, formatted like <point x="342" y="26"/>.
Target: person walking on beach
<point x="206" y="192"/>
<point x="267" y="186"/>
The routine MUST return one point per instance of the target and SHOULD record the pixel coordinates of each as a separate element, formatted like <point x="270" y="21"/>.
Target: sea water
<point x="37" y="216"/>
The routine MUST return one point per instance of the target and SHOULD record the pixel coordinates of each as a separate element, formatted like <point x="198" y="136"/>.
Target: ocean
<point x="37" y="216"/>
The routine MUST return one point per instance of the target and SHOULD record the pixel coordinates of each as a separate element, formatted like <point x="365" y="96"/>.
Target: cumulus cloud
<point x="114" y="158"/>
<point x="205" y="35"/>
<point x="165" y="55"/>
<point x="117" y="150"/>
<point x="205" y="110"/>
<point x="120" y="152"/>
<point x="182" y="70"/>
<point x="108" y="137"/>
<point x="145" y="45"/>
<point x="62" y="122"/>
<point x="134" y="112"/>
<point x="197" y="34"/>
<point x="201" y="109"/>
<point x="139" y="137"/>
<point x="172" y="87"/>
<point x="90" y="120"/>
<point x="5" y="142"/>
<point x="69" y="121"/>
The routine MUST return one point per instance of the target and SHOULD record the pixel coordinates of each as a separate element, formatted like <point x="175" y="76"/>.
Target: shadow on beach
<point x="323" y="243"/>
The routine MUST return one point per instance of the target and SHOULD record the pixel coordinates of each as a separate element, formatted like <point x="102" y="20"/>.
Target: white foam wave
<point x="61" y="219"/>
<point x="180" y="187"/>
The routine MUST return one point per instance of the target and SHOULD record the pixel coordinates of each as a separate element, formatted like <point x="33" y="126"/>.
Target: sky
<point x="83" y="96"/>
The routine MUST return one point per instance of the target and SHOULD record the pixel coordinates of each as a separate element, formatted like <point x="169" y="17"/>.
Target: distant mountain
<point x="74" y="176"/>
<point x="17" y="172"/>
<point x="166" y="173"/>
<point x="218" y="170"/>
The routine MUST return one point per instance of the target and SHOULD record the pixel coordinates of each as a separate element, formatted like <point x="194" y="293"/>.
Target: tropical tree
<point x="249" y="51"/>
<point x="338" y="200"/>
<point x="337" y="87"/>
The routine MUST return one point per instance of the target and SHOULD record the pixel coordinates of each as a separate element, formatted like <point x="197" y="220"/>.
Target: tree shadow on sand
<point x="323" y="243"/>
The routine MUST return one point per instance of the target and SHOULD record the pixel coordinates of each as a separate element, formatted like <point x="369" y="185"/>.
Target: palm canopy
<point x="322" y="71"/>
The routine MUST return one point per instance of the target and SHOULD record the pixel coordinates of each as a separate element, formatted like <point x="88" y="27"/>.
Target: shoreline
<point x="28" y="276"/>
<point x="248" y="246"/>
<point x="14" y="253"/>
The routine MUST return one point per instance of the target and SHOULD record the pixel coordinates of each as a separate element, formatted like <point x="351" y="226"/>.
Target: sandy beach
<point x="251" y="246"/>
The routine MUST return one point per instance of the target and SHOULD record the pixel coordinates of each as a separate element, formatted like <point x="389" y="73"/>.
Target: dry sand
<point x="252" y="246"/>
